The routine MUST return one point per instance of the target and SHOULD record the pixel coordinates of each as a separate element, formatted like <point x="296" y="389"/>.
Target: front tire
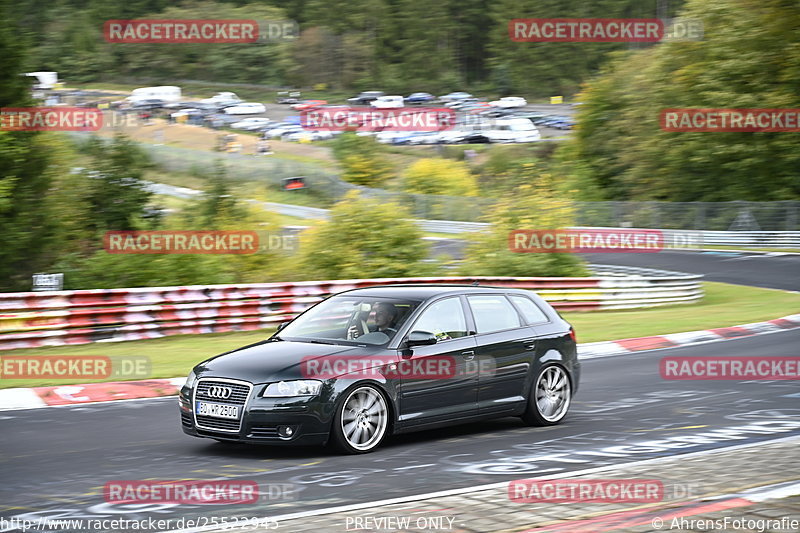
<point x="361" y="421"/>
<point x="550" y="398"/>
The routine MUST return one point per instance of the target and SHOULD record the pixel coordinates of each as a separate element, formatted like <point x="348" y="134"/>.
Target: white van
<point x="168" y="93"/>
<point x="512" y="130"/>
<point x="388" y="102"/>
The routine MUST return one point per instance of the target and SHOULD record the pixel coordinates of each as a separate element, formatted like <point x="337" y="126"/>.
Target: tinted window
<point x="531" y="311"/>
<point x="493" y="313"/>
<point x="445" y="319"/>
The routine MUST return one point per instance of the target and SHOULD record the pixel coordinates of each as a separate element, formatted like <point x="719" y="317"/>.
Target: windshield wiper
<point x="319" y="342"/>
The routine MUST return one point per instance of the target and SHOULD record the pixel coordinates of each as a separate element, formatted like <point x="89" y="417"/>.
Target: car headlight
<point x="191" y="380"/>
<point x="286" y="389"/>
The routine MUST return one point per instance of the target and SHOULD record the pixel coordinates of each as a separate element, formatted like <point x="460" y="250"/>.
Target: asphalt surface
<point x="740" y="268"/>
<point x="55" y="461"/>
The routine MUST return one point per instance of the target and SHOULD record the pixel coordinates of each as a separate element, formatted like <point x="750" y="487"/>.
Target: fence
<point x="36" y="319"/>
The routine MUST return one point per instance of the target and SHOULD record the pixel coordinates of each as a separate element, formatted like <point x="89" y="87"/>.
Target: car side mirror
<point x="420" y="338"/>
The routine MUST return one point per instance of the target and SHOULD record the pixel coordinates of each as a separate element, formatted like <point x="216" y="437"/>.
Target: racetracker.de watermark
<point x="344" y="118"/>
<point x="50" y="119"/>
<point x="190" y="492"/>
<point x="730" y="120"/>
<point x="187" y="31"/>
<point x="586" y="30"/>
<point x="729" y="368"/>
<point x="197" y="242"/>
<point x="390" y="367"/>
<point x="74" y="367"/>
<point x="586" y="490"/>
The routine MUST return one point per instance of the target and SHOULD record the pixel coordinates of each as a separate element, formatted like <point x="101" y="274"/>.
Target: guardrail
<point x="36" y="319"/>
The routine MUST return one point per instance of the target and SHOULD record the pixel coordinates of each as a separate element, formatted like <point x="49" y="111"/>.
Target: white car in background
<point x="388" y="102"/>
<point x="512" y="130"/>
<point x="251" y="123"/>
<point x="509" y="102"/>
<point x="222" y="98"/>
<point x="246" y="108"/>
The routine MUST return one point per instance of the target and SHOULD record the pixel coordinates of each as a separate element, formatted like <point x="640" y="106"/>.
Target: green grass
<point x="723" y="305"/>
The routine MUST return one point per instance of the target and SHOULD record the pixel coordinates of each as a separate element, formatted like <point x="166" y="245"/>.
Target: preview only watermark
<point x="602" y="30"/>
<point x="730" y="120"/>
<point x="399" y="523"/>
<point x="192" y="31"/>
<point x="197" y="242"/>
<point x="50" y="119"/>
<point x="74" y="367"/>
<point x="586" y="490"/>
<point x="730" y="368"/>
<point x="344" y="118"/>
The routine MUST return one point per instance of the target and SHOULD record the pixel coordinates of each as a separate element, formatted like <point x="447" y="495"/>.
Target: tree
<point x="440" y="176"/>
<point x="749" y="58"/>
<point x="533" y="205"/>
<point x="27" y="228"/>
<point x="362" y="160"/>
<point x="364" y="238"/>
<point x="118" y="196"/>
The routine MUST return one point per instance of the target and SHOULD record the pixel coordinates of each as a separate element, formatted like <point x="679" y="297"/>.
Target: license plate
<point x="217" y="410"/>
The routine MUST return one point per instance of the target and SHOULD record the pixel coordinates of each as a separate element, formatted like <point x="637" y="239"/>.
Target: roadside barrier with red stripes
<point x="35" y="319"/>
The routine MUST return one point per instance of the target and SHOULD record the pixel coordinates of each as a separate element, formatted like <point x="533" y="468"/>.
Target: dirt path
<point x="159" y="131"/>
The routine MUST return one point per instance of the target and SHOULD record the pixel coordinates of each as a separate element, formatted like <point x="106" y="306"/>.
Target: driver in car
<point x="385" y="313"/>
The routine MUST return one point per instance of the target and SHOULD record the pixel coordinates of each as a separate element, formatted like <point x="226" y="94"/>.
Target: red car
<point x="309" y="104"/>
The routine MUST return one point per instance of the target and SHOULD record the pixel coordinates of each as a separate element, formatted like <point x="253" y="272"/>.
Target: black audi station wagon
<point x="371" y="362"/>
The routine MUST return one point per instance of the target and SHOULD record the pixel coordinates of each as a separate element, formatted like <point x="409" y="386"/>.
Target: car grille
<point x="264" y="432"/>
<point x="240" y="391"/>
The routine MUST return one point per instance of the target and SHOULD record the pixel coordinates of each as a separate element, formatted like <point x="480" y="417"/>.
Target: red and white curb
<point x="62" y="395"/>
<point x="593" y="350"/>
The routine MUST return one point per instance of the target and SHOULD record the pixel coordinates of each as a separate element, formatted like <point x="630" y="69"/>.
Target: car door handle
<point x="530" y="346"/>
<point x="468" y="355"/>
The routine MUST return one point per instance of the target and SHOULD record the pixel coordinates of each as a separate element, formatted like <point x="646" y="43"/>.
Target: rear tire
<point x="550" y="397"/>
<point x="361" y="421"/>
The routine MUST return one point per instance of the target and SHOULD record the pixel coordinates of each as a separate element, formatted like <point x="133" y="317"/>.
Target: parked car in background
<point x="225" y="98"/>
<point x="388" y="102"/>
<point x="456" y="104"/>
<point x="288" y="97"/>
<point x="308" y="104"/>
<point x="164" y="93"/>
<point x="365" y="97"/>
<point x="307" y="136"/>
<point x="510" y="101"/>
<point x="512" y="130"/>
<point x="251" y="123"/>
<point x="148" y="104"/>
<point x="419" y="98"/>
<point x="455" y="96"/>
<point x="246" y="108"/>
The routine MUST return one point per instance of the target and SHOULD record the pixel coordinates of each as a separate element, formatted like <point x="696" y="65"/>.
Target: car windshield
<point x="350" y="320"/>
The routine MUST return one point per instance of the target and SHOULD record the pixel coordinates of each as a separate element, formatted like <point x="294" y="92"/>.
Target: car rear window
<point x="493" y="313"/>
<point x="531" y="311"/>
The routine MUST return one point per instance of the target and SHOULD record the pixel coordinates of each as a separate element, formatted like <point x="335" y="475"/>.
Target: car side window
<point x="493" y="313"/>
<point x="445" y="319"/>
<point x="531" y="311"/>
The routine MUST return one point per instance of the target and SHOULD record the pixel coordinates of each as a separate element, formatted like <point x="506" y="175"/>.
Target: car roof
<point x="423" y="292"/>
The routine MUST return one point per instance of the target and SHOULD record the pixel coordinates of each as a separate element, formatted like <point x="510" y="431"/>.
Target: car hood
<point x="274" y="361"/>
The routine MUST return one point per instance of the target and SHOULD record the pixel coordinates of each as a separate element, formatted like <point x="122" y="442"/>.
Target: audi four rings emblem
<point x="215" y="391"/>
